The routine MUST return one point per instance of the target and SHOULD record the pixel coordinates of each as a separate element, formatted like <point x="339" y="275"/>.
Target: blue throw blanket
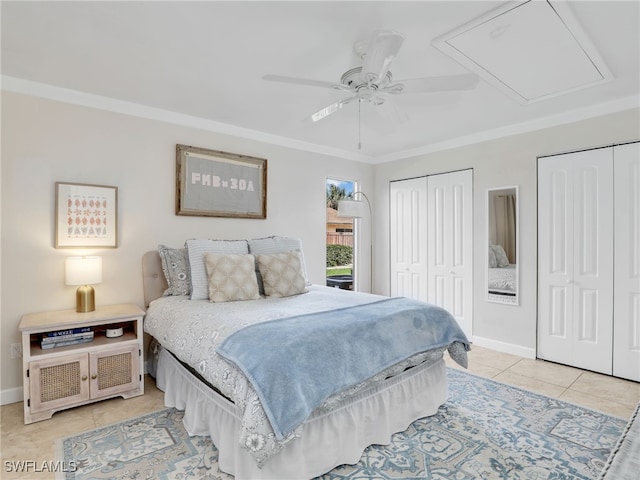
<point x="296" y="363"/>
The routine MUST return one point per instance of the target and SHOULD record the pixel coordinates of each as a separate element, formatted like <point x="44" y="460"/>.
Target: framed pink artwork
<point x="86" y="216"/>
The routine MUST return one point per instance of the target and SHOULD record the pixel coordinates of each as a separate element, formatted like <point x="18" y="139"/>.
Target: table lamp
<point x="84" y="271"/>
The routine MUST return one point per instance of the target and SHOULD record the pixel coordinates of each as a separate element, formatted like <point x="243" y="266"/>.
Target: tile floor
<point x="36" y="442"/>
<point x="610" y="395"/>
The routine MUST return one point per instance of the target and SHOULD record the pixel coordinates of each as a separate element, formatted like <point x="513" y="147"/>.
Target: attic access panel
<point x="530" y="50"/>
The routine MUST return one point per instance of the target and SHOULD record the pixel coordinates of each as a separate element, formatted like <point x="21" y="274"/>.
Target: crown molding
<point x="571" y="116"/>
<point x="75" y="97"/>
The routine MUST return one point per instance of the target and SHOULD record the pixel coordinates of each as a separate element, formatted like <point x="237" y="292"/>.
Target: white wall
<point x="45" y="141"/>
<point x="504" y="162"/>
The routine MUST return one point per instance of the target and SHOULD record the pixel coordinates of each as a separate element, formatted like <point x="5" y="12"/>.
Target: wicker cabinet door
<point x="114" y="371"/>
<point x="58" y="382"/>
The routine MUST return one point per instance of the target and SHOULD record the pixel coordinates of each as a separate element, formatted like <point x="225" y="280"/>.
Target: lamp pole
<point x="370" y="238"/>
<point x="351" y="208"/>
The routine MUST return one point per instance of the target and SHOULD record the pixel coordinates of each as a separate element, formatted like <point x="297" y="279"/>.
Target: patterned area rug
<point x="486" y="430"/>
<point x="624" y="461"/>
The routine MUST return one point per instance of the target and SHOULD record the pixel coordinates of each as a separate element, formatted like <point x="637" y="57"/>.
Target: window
<point x="340" y="236"/>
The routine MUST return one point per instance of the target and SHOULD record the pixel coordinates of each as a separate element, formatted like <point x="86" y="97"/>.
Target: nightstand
<point x="59" y="377"/>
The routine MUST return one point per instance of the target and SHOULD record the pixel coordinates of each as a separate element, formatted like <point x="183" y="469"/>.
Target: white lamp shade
<point x="83" y="270"/>
<point x="351" y="209"/>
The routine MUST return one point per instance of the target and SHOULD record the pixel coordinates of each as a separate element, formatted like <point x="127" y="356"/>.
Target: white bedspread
<point x="193" y="329"/>
<point x="503" y="280"/>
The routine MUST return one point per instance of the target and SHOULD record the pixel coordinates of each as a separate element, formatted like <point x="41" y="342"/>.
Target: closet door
<point x="626" y="330"/>
<point x="575" y="259"/>
<point x="408" y="242"/>
<point x="450" y="240"/>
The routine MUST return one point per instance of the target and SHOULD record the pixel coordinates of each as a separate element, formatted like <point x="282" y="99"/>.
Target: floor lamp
<point x="353" y="208"/>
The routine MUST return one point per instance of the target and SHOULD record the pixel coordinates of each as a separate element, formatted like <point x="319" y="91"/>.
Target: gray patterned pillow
<point x="231" y="277"/>
<point x="282" y="273"/>
<point x="176" y="270"/>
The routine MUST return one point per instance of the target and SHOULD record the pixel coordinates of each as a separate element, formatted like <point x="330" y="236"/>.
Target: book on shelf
<point x="64" y="342"/>
<point x="71" y="336"/>
<point x="64" y="333"/>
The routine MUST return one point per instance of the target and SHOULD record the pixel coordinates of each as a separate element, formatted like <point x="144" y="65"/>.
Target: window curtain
<point x="505" y="224"/>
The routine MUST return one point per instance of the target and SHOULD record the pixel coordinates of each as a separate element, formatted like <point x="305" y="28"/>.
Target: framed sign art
<point x="86" y="215"/>
<point x="219" y="184"/>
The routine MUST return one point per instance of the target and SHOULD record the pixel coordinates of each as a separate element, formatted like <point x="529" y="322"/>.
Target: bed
<point x="192" y="360"/>
<point x="502" y="281"/>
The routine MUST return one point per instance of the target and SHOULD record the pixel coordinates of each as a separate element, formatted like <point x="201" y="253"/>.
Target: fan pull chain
<point x="359" y="125"/>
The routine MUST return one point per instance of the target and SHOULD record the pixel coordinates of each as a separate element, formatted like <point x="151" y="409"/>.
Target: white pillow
<point x="196" y="249"/>
<point x="231" y="277"/>
<point x="282" y="273"/>
<point x="276" y="244"/>
<point x="493" y="263"/>
<point x="501" y="256"/>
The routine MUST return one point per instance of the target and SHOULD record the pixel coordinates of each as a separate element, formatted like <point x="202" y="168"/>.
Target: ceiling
<point x="201" y="64"/>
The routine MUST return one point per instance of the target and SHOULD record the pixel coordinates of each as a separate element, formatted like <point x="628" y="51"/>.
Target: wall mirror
<point x="503" y="245"/>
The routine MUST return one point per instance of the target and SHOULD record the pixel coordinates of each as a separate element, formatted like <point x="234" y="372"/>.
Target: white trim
<point x="51" y="92"/>
<point x="570" y="116"/>
<point x="557" y="15"/>
<point x="11" y="395"/>
<point x="75" y="97"/>
<point x="503" y="347"/>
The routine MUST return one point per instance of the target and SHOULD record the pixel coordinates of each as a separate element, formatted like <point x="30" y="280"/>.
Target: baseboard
<point x="11" y="395"/>
<point x="503" y="347"/>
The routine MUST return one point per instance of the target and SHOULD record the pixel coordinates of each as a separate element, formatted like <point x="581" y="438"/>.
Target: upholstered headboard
<point x="153" y="280"/>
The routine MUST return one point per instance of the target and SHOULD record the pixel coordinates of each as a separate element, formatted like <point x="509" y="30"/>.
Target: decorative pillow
<point x="176" y="270"/>
<point x="196" y="250"/>
<point x="501" y="256"/>
<point x="493" y="263"/>
<point x="282" y="273"/>
<point x="276" y="244"/>
<point x="231" y="277"/>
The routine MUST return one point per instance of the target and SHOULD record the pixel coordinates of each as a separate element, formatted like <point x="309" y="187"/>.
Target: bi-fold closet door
<point x="588" y="260"/>
<point x="431" y="241"/>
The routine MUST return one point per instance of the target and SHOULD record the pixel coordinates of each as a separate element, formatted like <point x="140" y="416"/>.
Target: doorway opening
<point x="340" y="234"/>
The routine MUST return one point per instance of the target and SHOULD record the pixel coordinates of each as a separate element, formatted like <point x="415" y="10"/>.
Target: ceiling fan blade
<point x="443" y="83"/>
<point x="392" y="113"/>
<point x="299" y="81"/>
<point x="382" y="49"/>
<point x="330" y="109"/>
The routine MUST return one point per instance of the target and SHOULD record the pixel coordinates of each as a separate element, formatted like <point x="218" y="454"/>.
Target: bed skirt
<point x="327" y="439"/>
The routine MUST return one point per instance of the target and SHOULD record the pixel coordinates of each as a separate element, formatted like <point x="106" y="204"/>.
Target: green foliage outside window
<point x="339" y="255"/>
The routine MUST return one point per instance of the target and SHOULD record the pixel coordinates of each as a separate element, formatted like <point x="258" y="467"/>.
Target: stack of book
<point x="63" y="338"/>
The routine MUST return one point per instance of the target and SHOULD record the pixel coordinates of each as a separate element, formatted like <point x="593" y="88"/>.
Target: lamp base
<point x="85" y="299"/>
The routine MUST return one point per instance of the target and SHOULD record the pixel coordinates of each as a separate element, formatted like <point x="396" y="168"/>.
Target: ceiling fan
<point x="372" y="81"/>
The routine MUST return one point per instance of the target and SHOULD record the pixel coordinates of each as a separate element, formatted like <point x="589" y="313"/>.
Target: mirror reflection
<point x="502" y="227"/>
